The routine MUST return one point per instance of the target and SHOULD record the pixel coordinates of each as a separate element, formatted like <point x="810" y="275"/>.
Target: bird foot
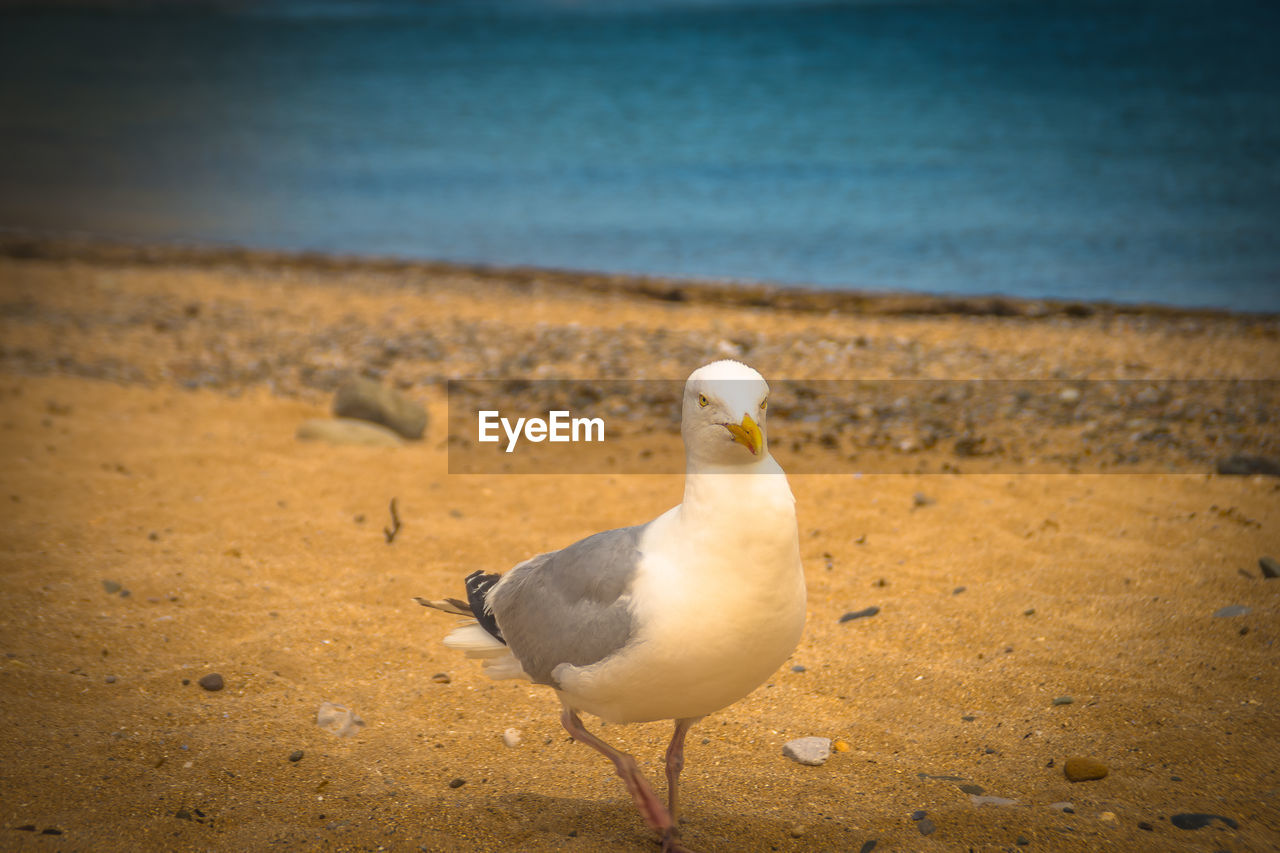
<point x="671" y="842"/>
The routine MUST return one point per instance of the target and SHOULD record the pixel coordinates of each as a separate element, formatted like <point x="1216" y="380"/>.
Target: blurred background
<point x="1120" y="150"/>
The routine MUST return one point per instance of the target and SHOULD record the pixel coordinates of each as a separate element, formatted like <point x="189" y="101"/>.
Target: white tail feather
<point x="475" y="641"/>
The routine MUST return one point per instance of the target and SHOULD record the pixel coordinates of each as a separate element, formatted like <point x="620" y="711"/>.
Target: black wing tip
<point x="478" y="585"/>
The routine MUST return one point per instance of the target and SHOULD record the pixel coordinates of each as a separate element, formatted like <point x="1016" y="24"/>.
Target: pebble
<point x="921" y="499"/>
<point x="1199" y="820"/>
<point x="925" y="826"/>
<point x="511" y="737"/>
<point x="111" y="679"/>
<point x="1232" y="610"/>
<point x="441" y="678"/>
<point x="1270" y="568"/>
<point x="296" y="755"/>
<point x="798" y="830"/>
<point x="919" y="814"/>
<point x="1063" y="807"/>
<point x="1083" y="769"/>
<point x="811" y="751"/>
<point x="212" y="681"/>
<point x="1107" y="817"/>
<point x="1063" y="700"/>
<point x="457" y="783"/>
<point x="347" y="431"/>
<point x="867" y="846"/>
<point x="839" y="746"/>
<point x="1023" y="841"/>
<point x="797" y="668"/>
<point x="367" y="400"/>
<point x="338" y="720"/>
<point x="112" y="587"/>
<point x="973" y="790"/>
<point x="958" y="590"/>
<point x="859" y="614"/>
<point x="991" y="801"/>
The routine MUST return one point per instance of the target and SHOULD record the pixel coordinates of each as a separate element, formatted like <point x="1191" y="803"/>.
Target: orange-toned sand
<point x="147" y="418"/>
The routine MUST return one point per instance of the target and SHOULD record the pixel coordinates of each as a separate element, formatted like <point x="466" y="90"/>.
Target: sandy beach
<point x="163" y="523"/>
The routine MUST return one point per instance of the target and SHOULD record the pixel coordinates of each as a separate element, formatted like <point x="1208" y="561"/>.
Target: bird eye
<point x="702" y="400"/>
<point x="764" y="404"/>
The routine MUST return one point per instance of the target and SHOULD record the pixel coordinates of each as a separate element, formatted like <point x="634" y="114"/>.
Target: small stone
<point x="972" y="790"/>
<point x="958" y="590"/>
<point x="183" y="814"/>
<point x="839" y="746"/>
<point x="920" y="499"/>
<point x="441" y="678"/>
<point x="1232" y="610"/>
<point x="798" y="830"/>
<point x="1062" y="807"/>
<point x="51" y="830"/>
<point x="1270" y="568"/>
<point x="1107" y="817"/>
<point x="338" y="720"/>
<point x="811" y="751"/>
<point x="1063" y="700"/>
<point x="1023" y="841"/>
<point x="1030" y="611"/>
<point x="296" y="755"/>
<point x="926" y="826"/>
<point x="511" y="737"/>
<point x="347" y="431"/>
<point x="1199" y="820"/>
<point x="457" y="783"/>
<point x="991" y="801"/>
<point x="919" y="814"/>
<point x="797" y="668"/>
<point x="868" y="846"/>
<point x="186" y="681"/>
<point x="112" y="587"/>
<point x="212" y="681"/>
<point x="1083" y="769"/>
<point x="110" y="679"/>
<point x="1143" y="825"/>
<point x="859" y="614"/>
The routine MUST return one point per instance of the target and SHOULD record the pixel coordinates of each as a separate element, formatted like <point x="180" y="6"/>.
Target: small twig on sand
<point x="390" y="532"/>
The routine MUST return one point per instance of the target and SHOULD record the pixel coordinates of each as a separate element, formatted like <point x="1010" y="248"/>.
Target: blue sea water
<point x="1120" y="150"/>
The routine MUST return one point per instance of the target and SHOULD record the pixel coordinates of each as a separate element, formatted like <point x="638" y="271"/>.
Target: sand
<point x="149" y="405"/>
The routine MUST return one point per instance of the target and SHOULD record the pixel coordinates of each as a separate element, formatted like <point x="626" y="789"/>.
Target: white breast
<point x="719" y="605"/>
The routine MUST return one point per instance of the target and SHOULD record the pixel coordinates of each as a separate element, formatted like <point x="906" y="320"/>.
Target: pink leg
<point x="651" y="808"/>
<point x="675" y="763"/>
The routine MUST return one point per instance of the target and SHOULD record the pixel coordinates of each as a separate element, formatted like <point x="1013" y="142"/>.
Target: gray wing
<point x="569" y="606"/>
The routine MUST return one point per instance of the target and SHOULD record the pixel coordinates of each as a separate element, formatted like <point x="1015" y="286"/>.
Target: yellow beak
<point x="747" y="434"/>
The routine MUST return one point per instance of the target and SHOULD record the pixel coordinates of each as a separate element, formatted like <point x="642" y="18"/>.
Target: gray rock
<point x="348" y="431"/>
<point x="338" y="720"/>
<point x="926" y="826"/>
<point x="860" y="614"/>
<point x="1232" y="610"/>
<point x="367" y="400"/>
<point x="1063" y="700"/>
<point x="1270" y="568"/>
<point x="808" y="750"/>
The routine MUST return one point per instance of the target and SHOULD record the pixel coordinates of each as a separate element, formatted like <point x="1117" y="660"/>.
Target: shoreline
<point x="23" y="245"/>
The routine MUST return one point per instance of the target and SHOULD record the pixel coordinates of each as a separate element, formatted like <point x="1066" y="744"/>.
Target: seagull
<point x="674" y="619"/>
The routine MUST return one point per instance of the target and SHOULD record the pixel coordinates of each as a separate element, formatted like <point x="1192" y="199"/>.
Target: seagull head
<point x="723" y="420"/>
